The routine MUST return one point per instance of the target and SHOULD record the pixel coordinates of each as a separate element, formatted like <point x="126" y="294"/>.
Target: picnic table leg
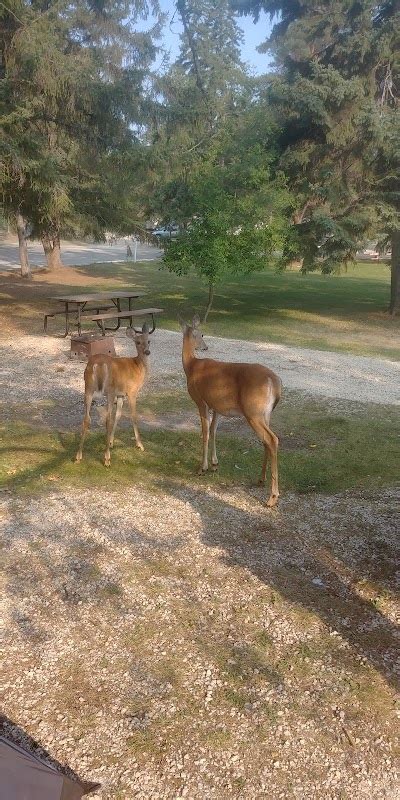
<point x="79" y="319"/>
<point x="66" y="321"/>
<point x="117" y="303"/>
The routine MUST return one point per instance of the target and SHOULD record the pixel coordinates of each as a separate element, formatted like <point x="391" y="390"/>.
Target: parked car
<point x="168" y="232"/>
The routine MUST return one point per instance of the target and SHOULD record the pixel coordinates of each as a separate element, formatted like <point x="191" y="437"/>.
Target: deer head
<point x="141" y="339"/>
<point x="193" y="333"/>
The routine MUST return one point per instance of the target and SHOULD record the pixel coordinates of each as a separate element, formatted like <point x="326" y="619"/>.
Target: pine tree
<point x="336" y="89"/>
<point x="70" y="93"/>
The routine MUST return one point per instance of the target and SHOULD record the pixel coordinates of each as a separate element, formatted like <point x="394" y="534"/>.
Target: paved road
<point x="75" y="253"/>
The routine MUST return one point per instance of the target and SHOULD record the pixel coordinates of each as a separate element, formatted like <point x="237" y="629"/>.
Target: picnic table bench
<point x="129" y="315"/>
<point x="73" y="313"/>
<point x="76" y="307"/>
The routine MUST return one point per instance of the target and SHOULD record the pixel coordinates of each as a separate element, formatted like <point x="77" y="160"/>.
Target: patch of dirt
<point x="189" y="643"/>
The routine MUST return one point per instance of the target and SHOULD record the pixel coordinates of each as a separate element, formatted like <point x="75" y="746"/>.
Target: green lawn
<point x="322" y="449"/>
<point x="344" y="312"/>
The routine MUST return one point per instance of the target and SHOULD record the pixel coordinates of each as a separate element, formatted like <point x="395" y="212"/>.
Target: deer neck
<point x="142" y="362"/>
<point x="188" y="356"/>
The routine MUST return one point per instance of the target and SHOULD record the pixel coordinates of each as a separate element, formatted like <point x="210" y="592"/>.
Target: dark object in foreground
<point x="24" y="775"/>
<point x="91" y="344"/>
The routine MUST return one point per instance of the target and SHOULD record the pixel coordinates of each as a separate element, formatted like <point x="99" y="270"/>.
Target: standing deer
<point x="116" y="378"/>
<point x="248" y="390"/>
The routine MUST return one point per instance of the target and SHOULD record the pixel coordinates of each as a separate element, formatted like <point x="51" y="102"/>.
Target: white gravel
<point x="33" y="361"/>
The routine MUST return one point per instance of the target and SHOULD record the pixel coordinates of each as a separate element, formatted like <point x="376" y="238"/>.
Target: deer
<point x="116" y="378"/>
<point x="231" y="390"/>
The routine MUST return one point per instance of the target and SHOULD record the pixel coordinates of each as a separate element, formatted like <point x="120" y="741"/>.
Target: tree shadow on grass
<point x="314" y="564"/>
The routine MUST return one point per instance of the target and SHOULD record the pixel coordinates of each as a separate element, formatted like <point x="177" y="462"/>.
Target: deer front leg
<point x="213" y="431"/>
<point x="205" y="428"/>
<point x="132" y="406"/>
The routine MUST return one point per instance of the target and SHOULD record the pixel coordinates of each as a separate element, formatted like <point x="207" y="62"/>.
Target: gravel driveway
<point x="34" y="360"/>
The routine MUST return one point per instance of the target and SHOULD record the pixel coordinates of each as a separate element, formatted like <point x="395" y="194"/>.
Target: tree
<point x="211" y="154"/>
<point x="70" y="94"/>
<point x="336" y="90"/>
<point x="237" y="212"/>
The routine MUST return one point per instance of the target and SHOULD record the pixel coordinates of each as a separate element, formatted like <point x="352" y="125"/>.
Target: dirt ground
<point x="179" y="640"/>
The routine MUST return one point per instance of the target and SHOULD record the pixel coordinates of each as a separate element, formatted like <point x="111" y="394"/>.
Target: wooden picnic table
<point x="76" y="303"/>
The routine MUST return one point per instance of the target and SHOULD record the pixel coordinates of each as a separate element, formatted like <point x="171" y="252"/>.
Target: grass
<point x="345" y="313"/>
<point x="321" y="450"/>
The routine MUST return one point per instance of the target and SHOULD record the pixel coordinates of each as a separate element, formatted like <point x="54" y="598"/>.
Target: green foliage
<point x="70" y="93"/>
<point x="234" y="226"/>
<point x="214" y="152"/>
<point x="336" y="92"/>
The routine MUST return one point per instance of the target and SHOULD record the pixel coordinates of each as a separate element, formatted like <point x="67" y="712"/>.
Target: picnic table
<point x="75" y="305"/>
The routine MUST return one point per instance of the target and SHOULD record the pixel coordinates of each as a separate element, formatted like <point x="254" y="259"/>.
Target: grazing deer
<point x="248" y="390"/>
<point x="116" y="378"/>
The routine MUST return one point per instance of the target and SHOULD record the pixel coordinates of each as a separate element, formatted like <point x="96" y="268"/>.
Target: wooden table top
<point x="87" y="298"/>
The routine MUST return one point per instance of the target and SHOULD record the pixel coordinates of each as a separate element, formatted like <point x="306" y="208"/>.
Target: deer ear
<point x="196" y="321"/>
<point x="145" y="328"/>
<point x="182" y="323"/>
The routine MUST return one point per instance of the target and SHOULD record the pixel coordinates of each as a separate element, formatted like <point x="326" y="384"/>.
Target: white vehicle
<point x="168" y="232"/>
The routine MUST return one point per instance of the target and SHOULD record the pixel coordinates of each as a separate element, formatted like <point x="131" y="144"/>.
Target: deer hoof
<point x="107" y="462"/>
<point x="273" y="500"/>
<point x="78" y="458"/>
<point x="202" y="471"/>
<point x="214" y="467"/>
<point x="140" y="446"/>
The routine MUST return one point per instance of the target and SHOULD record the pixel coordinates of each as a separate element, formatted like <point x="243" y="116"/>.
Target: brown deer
<point x="248" y="390"/>
<point x="116" y="378"/>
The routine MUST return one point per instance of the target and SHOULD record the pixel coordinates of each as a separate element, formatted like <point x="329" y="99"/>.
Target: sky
<point x="254" y="34"/>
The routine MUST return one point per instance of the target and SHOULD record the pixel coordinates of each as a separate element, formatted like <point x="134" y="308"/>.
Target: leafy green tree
<point x="237" y="212"/>
<point x="336" y="90"/>
<point x="211" y="154"/>
<point x="197" y="97"/>
<point x="71" y="93"/>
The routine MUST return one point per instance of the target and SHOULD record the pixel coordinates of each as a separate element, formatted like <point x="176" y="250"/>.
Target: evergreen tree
<point x="71" y="93"/>
<point x="336" y="90"/>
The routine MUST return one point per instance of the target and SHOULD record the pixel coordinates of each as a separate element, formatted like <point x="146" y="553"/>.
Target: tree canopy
<point x="71" y="94"/>
<point x="336" y="90"/>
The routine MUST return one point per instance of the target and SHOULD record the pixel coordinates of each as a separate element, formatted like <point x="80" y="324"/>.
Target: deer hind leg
<point x="109" y="429"/>
<point x="270" y="442"/>
<point x="85" y="424"/>
<point x="205" y="428"/>
<point x="132" y="406"/>
<point x="213" y="431"/>
<point x="117" y="415"/>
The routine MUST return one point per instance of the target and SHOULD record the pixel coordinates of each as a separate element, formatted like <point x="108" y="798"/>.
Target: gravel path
<point x="41" y="363"/>
<point x="182" y="643"/>
<point x="176" y="641"/>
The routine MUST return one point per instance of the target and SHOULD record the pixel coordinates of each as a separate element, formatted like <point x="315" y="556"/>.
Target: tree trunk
<point x="395" y="275"/>
<point x="23" y="250"/>
<point x="51" y="247"/>
<point x="210" y="301"/>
